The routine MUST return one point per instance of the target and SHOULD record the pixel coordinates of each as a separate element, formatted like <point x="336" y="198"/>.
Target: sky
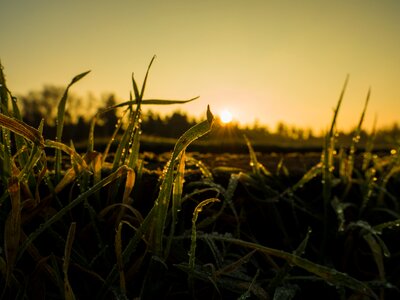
<point x="265" y="61"/>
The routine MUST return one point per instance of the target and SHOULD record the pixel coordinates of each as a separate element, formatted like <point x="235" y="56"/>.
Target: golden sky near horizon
<point x="263" y="60"/>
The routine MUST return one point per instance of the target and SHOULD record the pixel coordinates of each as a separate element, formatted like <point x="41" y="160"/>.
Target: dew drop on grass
<point x="356" y="139"/>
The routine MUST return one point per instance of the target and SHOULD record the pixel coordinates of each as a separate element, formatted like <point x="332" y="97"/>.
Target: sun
<point x="226" y="116"/>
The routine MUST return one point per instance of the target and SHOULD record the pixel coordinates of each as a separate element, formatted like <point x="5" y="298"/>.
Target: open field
<point x="129" y="224"/>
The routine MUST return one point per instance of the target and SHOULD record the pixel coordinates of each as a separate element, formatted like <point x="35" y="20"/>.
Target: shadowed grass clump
<point x="98" y="225"/>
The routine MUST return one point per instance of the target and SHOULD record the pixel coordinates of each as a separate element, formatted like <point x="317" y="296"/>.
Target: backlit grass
<point x="102" y="225"/>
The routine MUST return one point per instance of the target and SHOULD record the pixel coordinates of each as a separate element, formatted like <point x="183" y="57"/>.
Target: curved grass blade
<point x="22" y="129"/>
<point x="163" y="198"/>
<point x="60" y="120"/>
<point x="157" y="215"/>
<point x="74" y="155"/>
<point x="192" y="251"/>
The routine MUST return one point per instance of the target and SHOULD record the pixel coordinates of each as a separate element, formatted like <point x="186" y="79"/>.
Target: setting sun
<point x="226" y="116"/>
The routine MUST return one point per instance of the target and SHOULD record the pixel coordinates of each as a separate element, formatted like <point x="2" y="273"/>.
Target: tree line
<point x="38" y="105"/>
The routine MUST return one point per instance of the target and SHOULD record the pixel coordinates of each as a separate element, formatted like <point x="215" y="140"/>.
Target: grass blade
<point x="22" y="129"/>
<point x="69" y="294"/>
<point x="60" y="120"/>
<point x="192" y="252"/>
<point x="327" y="168"/>
<point x="163" y="198"/>
<point x="12" y="230"/>
<point x="176" y="199"/>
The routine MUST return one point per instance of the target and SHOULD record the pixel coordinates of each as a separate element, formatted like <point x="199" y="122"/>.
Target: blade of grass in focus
<point x="152" y="227"/>
<point x="162" y="202"/>
<point x="60" y="121"/>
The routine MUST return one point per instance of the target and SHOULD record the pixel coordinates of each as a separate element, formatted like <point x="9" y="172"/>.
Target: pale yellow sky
<point x="264" y="60"/>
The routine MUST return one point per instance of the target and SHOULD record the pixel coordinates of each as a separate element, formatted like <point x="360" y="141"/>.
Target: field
<point x="129" y="224"/>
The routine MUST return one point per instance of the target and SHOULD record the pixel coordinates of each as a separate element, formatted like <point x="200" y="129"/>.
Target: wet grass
<point x="101" y="225"/>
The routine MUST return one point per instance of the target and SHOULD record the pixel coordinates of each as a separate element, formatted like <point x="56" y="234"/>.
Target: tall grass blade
<point x="60" y="121"/>
<point x="176" y="199"/>
<point x="68" y="292"/>
<point x="369" y="147"/>
<point x="123" y="146"/>
<point x="120" y="262"/>
<point x="258" y="168"/>
<point x="355" y="140"/>
<point x="163" y="198"/>
<point x="5" y="140"/>
<point x="114" y="135"/>
<point x="327" y="170"/>
<point x="153" y="225"/>
<point x="145" y="78"/>
<point x="192" y="252"/>
<point x="12" y="229"/>
<point x="33" y="159"/>
<point x="20" y="143"/>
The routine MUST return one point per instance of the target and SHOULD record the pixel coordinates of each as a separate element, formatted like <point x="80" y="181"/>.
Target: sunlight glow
<point x="226" y="116"/>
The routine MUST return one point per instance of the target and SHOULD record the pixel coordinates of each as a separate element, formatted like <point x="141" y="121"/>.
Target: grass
<point x="101" y="225"/>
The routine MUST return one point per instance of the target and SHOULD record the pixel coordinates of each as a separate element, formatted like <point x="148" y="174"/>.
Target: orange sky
<point x="263" y="60"/>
